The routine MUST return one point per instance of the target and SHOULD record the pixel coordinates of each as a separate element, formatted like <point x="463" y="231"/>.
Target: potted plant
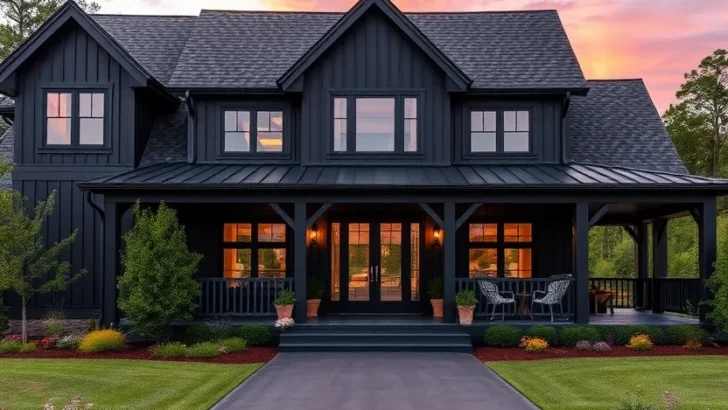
<point x="315" y="292"/>
<point x="284" y="304"/>
<point x="466" y="301"/>
<point x="435" y="289"/>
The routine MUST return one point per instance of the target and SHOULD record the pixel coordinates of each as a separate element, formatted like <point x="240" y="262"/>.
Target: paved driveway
<point x="374" y="381"/>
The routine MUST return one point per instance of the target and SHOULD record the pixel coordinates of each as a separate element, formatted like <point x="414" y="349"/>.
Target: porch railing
<point x="681" y="295"/>
<point x="523" y="289"/>
<point x="241" y="297"/>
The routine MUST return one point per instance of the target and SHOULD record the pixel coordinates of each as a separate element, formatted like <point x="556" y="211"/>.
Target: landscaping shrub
<point x="622" y="334"/>
<point x="205" y="349"/>
<point x="547" y="333"/>
<point x="220" y="328"/>
<point x="198" y="334"/>
<point x="285" y="298"/>
<point x="570" y="335"/>
<point x="533" y="344"/>
<point x="4" y="320"/>
<point x="436" y="288"/>
<point x="679" y="335"/>
<point x="601" y="347"/>
<point x="693" y="345"/>
<point x="640" y="343"/>
<point x="49" y="342"/>
<point x="69" y="342"/>
<point x="175" y="349"/>
<point x="254" y="335"/>
<point x="102" y="341"/>
<point x="11" y="347"/>
<point x="53" y="327"/>
<point x="502" y="336"/>
<point x="233" y="344"/>
<point x="583" y="345"/>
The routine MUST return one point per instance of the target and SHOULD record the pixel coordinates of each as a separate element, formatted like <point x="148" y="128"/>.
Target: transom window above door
<point x="252" y="131"/>
<point x="375" y="124"/>
<point x="499" y="131"/>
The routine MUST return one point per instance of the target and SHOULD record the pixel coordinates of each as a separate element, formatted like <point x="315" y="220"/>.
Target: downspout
<point x="191" y="128"/>
<point x="565" y="103"/>
<point x="102" y="215"/>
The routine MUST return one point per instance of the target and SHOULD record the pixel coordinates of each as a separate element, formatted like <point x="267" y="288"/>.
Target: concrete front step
<point x="376" y="347"/>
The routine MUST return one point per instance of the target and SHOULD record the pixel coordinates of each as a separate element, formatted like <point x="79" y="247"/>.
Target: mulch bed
<point x="494" y="354"/>
<point x="141" y="352"/>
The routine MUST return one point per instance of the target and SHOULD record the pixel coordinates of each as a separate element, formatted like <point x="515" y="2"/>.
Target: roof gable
<point x="70" y="11"/>
<point x="461" y="81"/>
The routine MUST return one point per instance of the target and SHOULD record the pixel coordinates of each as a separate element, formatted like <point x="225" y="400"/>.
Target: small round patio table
<point x="523" y="308"/>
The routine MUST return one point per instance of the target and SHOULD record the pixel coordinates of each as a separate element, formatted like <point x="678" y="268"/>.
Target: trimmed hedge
<point x="622" y="334"/>
<point x="547" y="333"/>
<point x="205" y="349"/>
<point x="570" y="335"/>
<point x="502" y="336"/>
<point x="680" y="334"/>
<point x="254" y="335"/>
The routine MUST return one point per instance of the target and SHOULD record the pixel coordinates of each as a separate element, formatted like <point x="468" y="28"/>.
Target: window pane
<point x="59" y="131"/>
<point x="270" y="142"/>
<point x="483" y="263"/>
<point x="375" y="124"/>
<point x="509" y="120"/>
<point x="52" y="109"/>
<point x="276" y="121"/>
<point x="483" y="232"/>
<point x="98" y="105"/>
<point x="476" y="121"/>
<point x="340" y="108"/>
<point x="236" y="263"/>
<point x="515" y="142"/>
<point x="271" y="232"/>
<point x="517" y="263"/>
<point x="237" y="232"/>
<point x="340" y="135"/>
<point x="522" y="121"/>
<point x="517" y="232"/>
<point x="489" y="121"/>
<point x="415" y="261"/>
<point x="84" y="104"/>
<point x="263" y="121"/>
<point x="410" y="135"/>
<point x="410" y="108"/>
<point x="335" y="261"/>
<point x="91" y="131"/>
<point x="243" y="121"/>
<point x="271" y="263"/>
<point x="482" y="142"/>
<point x="359" y="266"/>
<point x="231" y="120"/>
<point x="390" y="261"/>
<point x="237" y="142"/>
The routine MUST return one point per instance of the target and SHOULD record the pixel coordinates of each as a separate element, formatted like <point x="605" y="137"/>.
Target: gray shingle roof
<point x="253" y="49"/>
<point x="7" y="144"/>
<point x="618" y="125"/>
<point x="168" y="139"/>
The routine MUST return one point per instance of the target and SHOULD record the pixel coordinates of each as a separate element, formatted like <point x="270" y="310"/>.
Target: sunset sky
<point x="657" y="40"/>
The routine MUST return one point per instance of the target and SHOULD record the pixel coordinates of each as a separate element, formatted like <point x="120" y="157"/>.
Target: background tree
<point x="27" y="267"/>
<point x="23" y="17"/>
<point x="158" y="286"/>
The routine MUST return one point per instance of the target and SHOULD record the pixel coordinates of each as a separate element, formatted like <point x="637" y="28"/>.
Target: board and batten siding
<point x="375" y="56"/>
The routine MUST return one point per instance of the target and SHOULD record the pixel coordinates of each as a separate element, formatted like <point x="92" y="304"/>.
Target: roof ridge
<point x="613" y="80"/>
<point x="273" y="11"/>
<point x="142" y="15"/>
<point x="485" y="11"/>
<point x="404" y="12"/>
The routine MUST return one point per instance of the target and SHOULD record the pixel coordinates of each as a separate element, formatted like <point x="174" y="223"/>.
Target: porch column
<point x="448" y="270"/>
<point x="643" y="265"/>
<point x="581" y="261"/>
<point x="299" y="264"/>
<point x="659" y="262"/>
<point x="706" y="249"/>
<point x="110" y="257"/>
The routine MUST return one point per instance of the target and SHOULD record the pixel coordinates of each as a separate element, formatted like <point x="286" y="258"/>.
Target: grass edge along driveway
<point x="603" y="383"/>
<point x="117" y="384"/>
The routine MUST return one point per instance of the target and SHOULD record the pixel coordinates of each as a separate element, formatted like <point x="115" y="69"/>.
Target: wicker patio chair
<point x="495" y="298"/>
<point x="553" y="296"/>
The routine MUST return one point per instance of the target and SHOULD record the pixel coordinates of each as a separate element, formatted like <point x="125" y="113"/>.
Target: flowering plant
<point x="284" y="323"/>
<point x="601" y="347"/>
<point x="534" y="344"/>
<point x="13" y="338"/>
<point x="48" y="342"/>
<point x="640" y="342"/>
<point x="583" y="345"/>
<point x="693" y="344"/>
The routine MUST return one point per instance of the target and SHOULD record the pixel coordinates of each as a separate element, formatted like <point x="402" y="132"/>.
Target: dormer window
<point x="75" y="119"/>
<point x="375" y="124"/>
<point x="500" y="131"/>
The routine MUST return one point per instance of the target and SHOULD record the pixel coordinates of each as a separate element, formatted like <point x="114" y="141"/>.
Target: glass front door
<point x="375" y="267"/>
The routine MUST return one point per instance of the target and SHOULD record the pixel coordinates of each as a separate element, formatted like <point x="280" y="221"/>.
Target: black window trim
<point x="499" y="133"/>
<point x="351" y="96"/>
<point x="255" y="245"/>
<point x="254" y="108"/>
<point x="500" y="245"/>
<point x="75" y="90"/>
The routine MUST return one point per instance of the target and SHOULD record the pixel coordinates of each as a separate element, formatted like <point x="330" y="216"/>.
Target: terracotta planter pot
<point x="466" y="315"/>
<point x="312" y="307"/>
<point x="436" y="308"/>
<point x="284" y="312"/>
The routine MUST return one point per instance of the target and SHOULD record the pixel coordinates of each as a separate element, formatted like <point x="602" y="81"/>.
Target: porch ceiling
<point x="497" y="177"/>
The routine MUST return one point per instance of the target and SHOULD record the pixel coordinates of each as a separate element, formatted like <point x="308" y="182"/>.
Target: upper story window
<point x="250" y="131"/>
<point x="378" y="124"/>
<point x="75" y="119"/>
<point x="500" y="131"/>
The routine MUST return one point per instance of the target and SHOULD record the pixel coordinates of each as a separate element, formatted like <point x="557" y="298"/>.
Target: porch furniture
<point x="600" y="300"/>
<point x="493" y="297"/>
<point x="523" y="308"/>
<point x="555" y="292"/>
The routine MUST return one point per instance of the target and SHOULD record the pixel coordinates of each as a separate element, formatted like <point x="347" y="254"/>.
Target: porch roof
<point x="504" y="177"/>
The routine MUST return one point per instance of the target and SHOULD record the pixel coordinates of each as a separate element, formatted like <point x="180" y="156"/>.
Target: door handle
<point x="376" y="271"/>
<point x="371" y="274"/>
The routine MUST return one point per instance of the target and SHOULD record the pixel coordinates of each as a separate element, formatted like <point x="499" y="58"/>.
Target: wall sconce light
<point x="437" y="233"/>
<point x="314" y="235"/>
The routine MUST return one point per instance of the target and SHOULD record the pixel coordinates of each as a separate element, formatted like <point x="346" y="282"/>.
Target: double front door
<point x="375" y="266"/>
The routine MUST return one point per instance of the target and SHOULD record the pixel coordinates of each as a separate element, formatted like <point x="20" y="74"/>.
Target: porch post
<point x="659" y="262"/>
<point x="448" y="270"/>
<point x="581" y="261"/>
<point x="643" y="265"/>
<point x="112" y="221"/>
<point x="706" y="249"/>
<point x="299" y="265"/>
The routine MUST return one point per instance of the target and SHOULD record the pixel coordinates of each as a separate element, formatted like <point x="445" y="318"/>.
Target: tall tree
<point x="698" y="124"/>
<point x="22" y="17"/>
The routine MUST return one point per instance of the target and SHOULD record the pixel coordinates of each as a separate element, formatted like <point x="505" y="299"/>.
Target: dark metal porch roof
<point x="294" y="176"/>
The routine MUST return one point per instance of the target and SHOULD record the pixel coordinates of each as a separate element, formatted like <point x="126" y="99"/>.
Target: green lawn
<point x="117" y="384"/>
<point x="570" y="384"/>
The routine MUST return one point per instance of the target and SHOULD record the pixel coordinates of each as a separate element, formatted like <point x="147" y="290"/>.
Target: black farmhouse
<point x="374" y="150"/>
